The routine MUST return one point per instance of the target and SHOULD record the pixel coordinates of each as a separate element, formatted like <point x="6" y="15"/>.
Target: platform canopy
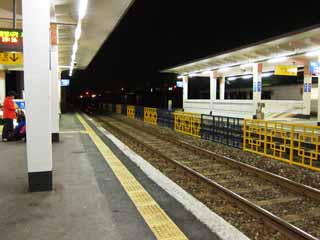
<point x="294" y="48"/>
<point x="100" y="20"/>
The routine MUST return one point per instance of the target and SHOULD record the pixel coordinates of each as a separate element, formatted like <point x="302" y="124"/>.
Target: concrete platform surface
<point x="87" y="202"/>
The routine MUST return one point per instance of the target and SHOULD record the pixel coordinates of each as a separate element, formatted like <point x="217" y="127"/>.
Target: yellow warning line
<point x="158" y="221"/>
<point x="76" y="131"/>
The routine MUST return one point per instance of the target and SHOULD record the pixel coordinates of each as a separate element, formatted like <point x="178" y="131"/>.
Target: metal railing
<point x="150" y="115"/>
<point x="225" y="130"/>
<point x="187" y="123"/>
<point x="295" y="144"/>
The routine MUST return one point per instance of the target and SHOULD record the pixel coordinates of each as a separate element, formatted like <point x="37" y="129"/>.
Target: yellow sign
<point x="286" y="70"/>
<point x="11" y="58"/>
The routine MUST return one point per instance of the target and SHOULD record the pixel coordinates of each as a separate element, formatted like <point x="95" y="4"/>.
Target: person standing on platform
<point x="9" y="114"/>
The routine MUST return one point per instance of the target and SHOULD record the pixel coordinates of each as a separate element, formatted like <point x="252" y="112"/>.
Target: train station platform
<point x="92" y="197"/>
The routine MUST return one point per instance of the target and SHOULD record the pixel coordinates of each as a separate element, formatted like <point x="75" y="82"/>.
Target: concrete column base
<point x="40" y="181"/>
<point x="55" y="137"/>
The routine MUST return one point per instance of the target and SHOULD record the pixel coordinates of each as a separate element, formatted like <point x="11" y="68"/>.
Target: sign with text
<point x="286" y="70"/>
<point x="315" y="68"/>
<point x="64" y="82"/>
<point x="10" y="40"/>
<point x="11" y="58"/>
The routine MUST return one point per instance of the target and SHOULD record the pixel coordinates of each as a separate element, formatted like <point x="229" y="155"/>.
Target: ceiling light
<point x="266" y="74"/>
<point x="192" y="74"/>
<point x="277" y="59"/>
<point x="231" y="78"/>
<point x="246" y="65"/>
<point x="206" y="72"/>
<point x="246" y="76"/>
<point x="180" y="77"/>
<point x="77" y="33"/>
<point x="313" y="53"/>
<point x="224" y="69"/>
<point x="83" y="8"/>
<point x="75" y="47"/>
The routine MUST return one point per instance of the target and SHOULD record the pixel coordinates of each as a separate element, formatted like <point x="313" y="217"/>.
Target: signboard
<point x="64" y="82"/>
<point x="179" y="84"/>
<point x="20" y="103"/>
<point x="11" y="58"/>
<point x="10" y="40"/>
<point x="315" y="68"/>
<point x="286" y="70"/>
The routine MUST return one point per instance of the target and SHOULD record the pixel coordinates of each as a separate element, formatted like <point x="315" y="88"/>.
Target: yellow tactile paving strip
<point x="160" y="224"/>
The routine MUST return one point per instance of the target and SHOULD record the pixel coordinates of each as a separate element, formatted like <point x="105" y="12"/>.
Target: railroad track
<point x="288" y="207"/>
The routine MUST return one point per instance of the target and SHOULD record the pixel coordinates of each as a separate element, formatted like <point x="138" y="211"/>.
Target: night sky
<point x="157" y="34"/>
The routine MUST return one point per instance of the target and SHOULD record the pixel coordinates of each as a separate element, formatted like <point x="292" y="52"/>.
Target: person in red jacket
<point x="9" y="114"/>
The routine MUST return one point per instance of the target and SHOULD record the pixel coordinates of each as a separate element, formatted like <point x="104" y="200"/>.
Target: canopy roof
<point x="293" y="45"/>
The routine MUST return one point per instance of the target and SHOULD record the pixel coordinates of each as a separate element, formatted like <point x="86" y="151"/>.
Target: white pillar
<point x="222" y="86"/>
<point x="54" y="94"/>
<point x="54" y="85"/>
<point x="213" y="90"/>
<point x="185" y="90"/>
<point x="213" y="86"/>
<point x="36" y="18"/>
<point x="2" y="86"/>
<point x="307" y="86"/>
<point x="257" y="85"/>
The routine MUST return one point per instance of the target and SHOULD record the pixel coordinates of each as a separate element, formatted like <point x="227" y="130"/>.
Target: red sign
<point x="10" y="40"/>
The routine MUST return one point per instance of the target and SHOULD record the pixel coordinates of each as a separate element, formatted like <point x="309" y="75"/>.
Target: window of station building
<point x="199" y="88"/>
<point x="239" y="89"/>
<point x="278" y="87"/>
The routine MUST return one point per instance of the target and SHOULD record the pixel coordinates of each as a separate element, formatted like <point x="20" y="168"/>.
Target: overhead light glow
<point x="192" y="74"/>
<point x="246" y="76"/>
<point x="246" y="65"/>
<point x="77" y="33"/>
<point x="83" y="8"/>
<point x="266" y="74"/>
<point x="75" y="47"/>
<point x="231" y="78"/>
<point x="224" y="69"/>
<point x="313" y="53"/>
<point x="206" y="72"/>
<point x="180" y="77"/>
<point x="277" y="59"/>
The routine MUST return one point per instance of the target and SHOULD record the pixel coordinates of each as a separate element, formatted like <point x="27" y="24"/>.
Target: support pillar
<point x="37" y="92"/>
<point x="54" y="86"/>
<point x="307" y="86"/>
<point x="257" y="86"/>
<point x="213" y="90"/>
<point x="185" y="90"/>
<point x="222" y="87"/>
<point x="2" y="86"/>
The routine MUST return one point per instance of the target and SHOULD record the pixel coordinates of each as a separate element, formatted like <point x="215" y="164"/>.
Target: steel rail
<point x="272" y="220"/>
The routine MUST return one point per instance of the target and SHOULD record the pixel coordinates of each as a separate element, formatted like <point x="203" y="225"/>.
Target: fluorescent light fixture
<point x="206" y="72"/>
<point x="277" y="59"/>
<point x="246" y="76"/>
<point x="267" y="74"/>
<point x="224" y="69"/>
<point x="180" y="77"/>
<point x="75" y="47"/>
<point x="83" y="8"/>
<point x="246" y="65"/>
<point x="192" y="74"/>
<point x="231" y="78"/>
<point x="77" y="33"/>
<point x="313" y="53"/>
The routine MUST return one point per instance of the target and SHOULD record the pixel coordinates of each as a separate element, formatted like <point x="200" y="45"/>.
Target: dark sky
<point x="156" y="34"/>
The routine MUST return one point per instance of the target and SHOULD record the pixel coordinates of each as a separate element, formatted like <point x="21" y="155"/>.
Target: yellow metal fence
<point x="187" y="123"/>
<point x="131" y="111"/>
<point x="150" y="115"/>
<point x="292" y="143"/>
